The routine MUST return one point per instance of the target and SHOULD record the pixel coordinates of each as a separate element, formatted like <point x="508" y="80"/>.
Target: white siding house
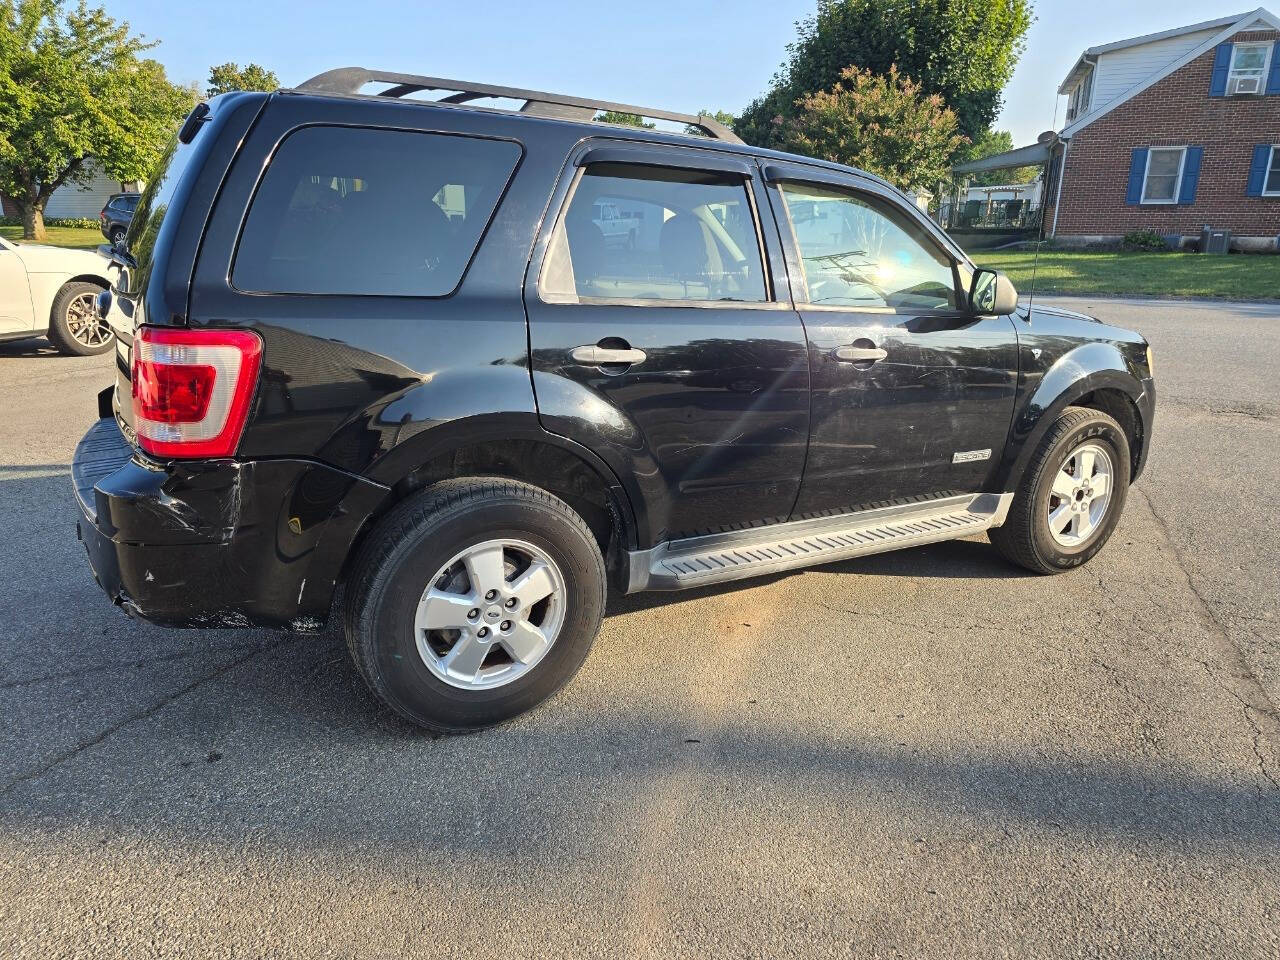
<point x="1121" y="69"/>
<point x="1105" y="72"/>
<point x="85" y="201"/>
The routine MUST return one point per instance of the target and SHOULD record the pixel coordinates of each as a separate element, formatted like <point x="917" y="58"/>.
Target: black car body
<point x="683" y="431"/>
<point x="116" y="215"/>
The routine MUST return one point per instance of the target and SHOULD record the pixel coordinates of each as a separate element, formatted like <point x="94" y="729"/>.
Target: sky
<point x="682" y="56"/>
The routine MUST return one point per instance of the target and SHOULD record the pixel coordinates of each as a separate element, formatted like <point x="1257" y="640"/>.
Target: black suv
<point x="386" y="345"/>
<point x="115" y="217"/>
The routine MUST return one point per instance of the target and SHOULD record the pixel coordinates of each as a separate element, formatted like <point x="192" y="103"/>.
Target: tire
<point x="116" y="234"/>
<point x="1027" y="538"/>
<point x="406" y="666"/>
<point x="67" y="332"/>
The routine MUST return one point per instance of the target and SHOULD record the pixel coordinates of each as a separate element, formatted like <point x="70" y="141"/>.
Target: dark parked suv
<point x="115" y="217"/>
<point x="384" y="345"/>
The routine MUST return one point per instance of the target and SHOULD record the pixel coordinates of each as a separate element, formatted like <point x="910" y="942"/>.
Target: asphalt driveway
<point x="923" y="753"/>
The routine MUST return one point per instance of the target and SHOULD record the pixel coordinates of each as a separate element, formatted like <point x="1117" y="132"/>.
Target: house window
<point x="1271" y="186"/>
<point x="1249" y="62"/>
<point x="1163" y="176"/>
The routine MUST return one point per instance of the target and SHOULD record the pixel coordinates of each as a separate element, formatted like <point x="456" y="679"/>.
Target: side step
<point x="681" y="564"/>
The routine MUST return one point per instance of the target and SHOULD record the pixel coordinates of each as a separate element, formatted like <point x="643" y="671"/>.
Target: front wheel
<point x="474" y="601"/>
<point x="74" y="326"/>
<point x="1070" y="499"/>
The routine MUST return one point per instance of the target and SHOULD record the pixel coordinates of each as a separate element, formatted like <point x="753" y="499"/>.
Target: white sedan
<point x="51" y="290"/>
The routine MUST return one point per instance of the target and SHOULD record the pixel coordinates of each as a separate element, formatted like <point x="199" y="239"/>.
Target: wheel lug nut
<point x="491" y="595"/>
<point x="473" y="614"/>
<point x="511" y="603"/>
<point x="505" y="625"/>
<point x="482" y="632"/>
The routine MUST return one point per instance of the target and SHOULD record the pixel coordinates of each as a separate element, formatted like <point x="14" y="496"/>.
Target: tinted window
<point x="351" y="211"/>
<point x="654" y="233"/>
<point x="860" y="252"/>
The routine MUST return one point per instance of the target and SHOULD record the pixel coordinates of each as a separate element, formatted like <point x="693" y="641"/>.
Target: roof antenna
<point x="1046" y="180"/>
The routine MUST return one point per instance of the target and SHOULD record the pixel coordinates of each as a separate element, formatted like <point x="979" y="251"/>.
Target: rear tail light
<point x="192" y="389"/>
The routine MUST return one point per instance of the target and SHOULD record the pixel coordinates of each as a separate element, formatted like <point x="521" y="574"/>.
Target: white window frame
<point x="1266" y="171"/>
<point x="1232" y="71"/>
<point x="1177" y="184"/>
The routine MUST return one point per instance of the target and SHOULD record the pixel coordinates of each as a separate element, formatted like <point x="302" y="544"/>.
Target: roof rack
<point x="351" y="79"/>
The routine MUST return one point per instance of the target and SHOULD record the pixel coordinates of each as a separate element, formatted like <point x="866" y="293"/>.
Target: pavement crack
<point x="108" y="667"/>
<point x="1237" y="679"/>
<point x="61" y="758"/>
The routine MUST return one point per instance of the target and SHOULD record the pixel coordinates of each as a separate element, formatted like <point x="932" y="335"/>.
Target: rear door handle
<point x="860" y="354"/>
<point x="596" y="356"/>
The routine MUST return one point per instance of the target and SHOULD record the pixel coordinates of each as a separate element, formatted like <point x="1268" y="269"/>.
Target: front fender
<point x="1077" y="373"/>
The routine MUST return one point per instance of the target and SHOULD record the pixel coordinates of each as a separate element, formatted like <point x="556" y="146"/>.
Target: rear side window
<point x="655" y="233"/>
<point x="343" y="210"/>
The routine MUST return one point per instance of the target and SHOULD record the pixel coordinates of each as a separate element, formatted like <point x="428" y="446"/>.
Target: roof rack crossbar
<point x="350" y="80"/>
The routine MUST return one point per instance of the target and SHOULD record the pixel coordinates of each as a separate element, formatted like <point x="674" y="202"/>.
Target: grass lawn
<point x="82" y="237"/>
<point x="1239" y="276"/>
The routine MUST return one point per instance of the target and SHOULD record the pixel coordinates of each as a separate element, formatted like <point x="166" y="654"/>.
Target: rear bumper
<point x="215" y="543"/>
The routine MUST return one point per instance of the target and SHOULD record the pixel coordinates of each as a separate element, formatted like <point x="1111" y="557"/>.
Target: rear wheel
<point x="74" y="326"/>
<point x="1070" y="499"/>
<point x="473" y="602"/>
<point x="116" y="234"/>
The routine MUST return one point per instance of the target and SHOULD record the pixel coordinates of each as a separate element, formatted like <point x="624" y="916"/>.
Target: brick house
<point x="1171" y="132"/>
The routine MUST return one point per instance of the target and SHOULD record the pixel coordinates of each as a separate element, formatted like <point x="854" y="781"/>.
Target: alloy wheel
<point x="1080" y="494"/>
<point x="490" y="614"/>
<point x="84" y="324"/>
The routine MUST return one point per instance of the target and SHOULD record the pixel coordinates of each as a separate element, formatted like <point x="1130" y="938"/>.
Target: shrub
<point x="1143" y="240"/>
<point x="88" y="223"/>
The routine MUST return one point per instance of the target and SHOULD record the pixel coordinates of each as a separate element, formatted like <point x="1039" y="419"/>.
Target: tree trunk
<point x="33" y="222"/>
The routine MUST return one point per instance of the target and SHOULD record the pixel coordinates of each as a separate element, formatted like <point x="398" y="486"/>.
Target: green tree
<point x="962" y="50"/>
<point x="72" y="87"/>
<point x="226" y="77"/>
<point x="988" y="145"/>
<point x="624" y="119"/>
<point x="883" y="124"/>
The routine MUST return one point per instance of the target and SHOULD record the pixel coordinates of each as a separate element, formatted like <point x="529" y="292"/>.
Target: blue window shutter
<point x="1273" y="78"/>
<point x="1137" y="170"/>
<point x="1221" y="67"/>
<point x="1258" y="169"/>
<point x="1190" y="175"/>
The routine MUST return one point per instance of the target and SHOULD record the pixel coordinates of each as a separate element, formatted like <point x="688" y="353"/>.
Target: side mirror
<point x="990" y="292"/>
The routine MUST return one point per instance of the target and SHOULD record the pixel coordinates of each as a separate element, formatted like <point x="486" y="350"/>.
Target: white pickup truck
<point x="619" y="229"/>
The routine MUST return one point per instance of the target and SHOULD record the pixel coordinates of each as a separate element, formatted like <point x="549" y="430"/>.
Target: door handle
<point x="860" y="354"/>
<point x="592" y="355"/>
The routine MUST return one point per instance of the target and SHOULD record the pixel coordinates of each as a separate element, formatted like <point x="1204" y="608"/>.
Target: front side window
<point x="858" y="252"/>
<point x="1164" y="174"/>
<point x="655" y="233"/>
<point x="1271" y="185"/>
<point x="353" y="211"/>
<point x="1249" y="63"/>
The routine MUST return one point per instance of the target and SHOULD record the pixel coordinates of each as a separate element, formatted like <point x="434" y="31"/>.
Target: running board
<point x="681" y="564"/>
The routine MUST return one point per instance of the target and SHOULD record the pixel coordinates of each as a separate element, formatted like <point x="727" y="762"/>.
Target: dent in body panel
<point x="1064" y="356"/>
<point x="889" y="430"/>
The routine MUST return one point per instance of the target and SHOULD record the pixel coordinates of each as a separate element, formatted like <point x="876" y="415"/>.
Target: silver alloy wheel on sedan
<point x="490" y="614"/>
<point x="1080" y="494"/>
<point x="83" y="322"/>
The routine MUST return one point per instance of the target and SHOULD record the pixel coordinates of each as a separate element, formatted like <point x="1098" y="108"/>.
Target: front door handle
<point x="860" y="354"/>
<point x="592" y="355"/>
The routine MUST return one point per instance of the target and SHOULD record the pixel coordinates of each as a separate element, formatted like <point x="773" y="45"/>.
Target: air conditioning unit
<point x="1215" y="241"/>
<point x="1244" y="85"/>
